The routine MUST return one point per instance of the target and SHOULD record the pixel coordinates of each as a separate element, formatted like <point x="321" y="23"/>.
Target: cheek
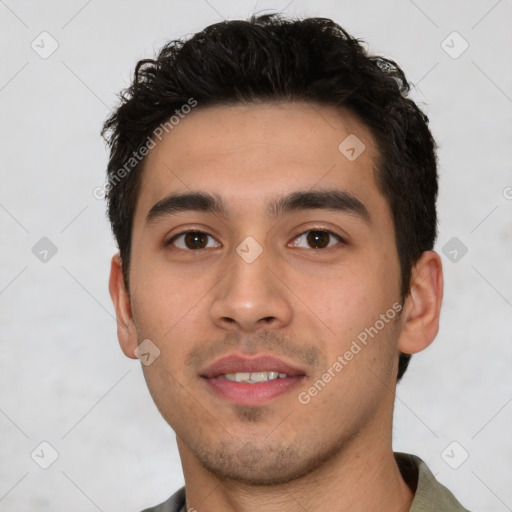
<point x="356" y="303"/>
<point x="162" y="300"/>
<point x="351" y="298"/>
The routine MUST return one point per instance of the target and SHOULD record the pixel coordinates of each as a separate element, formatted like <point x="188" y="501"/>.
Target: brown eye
<point x="192" y="240"/>
<point x="195" y="240"/>
<point x="317" y="239"/>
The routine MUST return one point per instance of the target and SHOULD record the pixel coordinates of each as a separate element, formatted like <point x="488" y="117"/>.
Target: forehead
<point x="245" y="152"/>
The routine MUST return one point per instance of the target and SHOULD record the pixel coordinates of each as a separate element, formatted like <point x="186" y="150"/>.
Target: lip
<point x="243" y="393"/>
<point x="241" y="363"/>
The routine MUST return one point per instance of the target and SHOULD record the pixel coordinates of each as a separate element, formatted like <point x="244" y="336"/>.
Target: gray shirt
<point x="430" y="495"/>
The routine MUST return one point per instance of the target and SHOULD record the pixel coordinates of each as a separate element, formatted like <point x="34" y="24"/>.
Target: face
<point x="264" y="269"/>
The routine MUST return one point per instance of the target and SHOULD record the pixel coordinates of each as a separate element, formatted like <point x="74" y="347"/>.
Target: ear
<point x="420" y="317"/>
<point x="126" y="332"/>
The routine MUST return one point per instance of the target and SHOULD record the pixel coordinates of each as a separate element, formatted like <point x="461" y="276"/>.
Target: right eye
<point x="191" y="241"/>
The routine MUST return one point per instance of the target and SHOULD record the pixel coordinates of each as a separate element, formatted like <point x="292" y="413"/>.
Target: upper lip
<point x="248" y="364"/>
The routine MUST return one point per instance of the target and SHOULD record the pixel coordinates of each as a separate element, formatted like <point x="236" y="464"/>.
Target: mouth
<point x="253" y="380"/>
<point x="253" y="377"/>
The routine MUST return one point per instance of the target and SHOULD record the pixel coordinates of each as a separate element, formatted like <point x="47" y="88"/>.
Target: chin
<point x="263" y="464"/>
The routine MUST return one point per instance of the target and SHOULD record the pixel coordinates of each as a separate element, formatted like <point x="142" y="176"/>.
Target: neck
<point x="357" y="480"/>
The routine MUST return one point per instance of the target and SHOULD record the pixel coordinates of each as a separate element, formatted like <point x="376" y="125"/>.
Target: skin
<point x="302" y="304"/>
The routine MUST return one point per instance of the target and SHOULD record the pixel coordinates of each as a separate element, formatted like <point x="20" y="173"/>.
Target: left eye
<point x="317" y="239"/>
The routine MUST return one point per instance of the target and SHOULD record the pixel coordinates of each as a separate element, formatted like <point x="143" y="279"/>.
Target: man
<point x="272" y="191"/>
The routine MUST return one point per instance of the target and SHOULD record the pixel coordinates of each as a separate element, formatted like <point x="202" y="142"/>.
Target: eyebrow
<point x="205" y="202"/>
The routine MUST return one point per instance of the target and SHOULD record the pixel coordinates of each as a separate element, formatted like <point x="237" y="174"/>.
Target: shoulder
<point x="430" y="494"/>
<point x="176" y="503"/>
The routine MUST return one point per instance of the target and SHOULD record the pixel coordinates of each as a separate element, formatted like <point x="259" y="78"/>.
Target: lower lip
<point x="243" y="393"/>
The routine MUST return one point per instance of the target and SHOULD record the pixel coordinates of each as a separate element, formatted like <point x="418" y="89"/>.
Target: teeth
<point x="254" y="377"/>
<point x="241" y="377"/>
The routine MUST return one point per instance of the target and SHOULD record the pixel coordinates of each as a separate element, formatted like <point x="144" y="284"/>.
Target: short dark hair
<point x="271" y="58"/>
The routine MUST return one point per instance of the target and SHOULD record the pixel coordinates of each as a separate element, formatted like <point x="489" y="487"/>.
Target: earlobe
<point x="420" y="317"/>
<point x="126" y="332"/>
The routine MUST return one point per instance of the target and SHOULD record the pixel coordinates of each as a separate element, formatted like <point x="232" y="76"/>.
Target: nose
<point x="251" y="297"/>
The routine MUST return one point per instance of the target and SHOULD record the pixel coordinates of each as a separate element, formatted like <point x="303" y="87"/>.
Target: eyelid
<point x="343" y="238"/>
<point x="188" y="228"/>
<point x="174" y="236"/>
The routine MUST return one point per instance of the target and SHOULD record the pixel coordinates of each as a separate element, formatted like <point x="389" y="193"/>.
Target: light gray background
<point x="63" y="378"/>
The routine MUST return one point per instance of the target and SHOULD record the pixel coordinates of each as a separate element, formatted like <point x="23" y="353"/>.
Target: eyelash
<point x="341" y="240"/>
